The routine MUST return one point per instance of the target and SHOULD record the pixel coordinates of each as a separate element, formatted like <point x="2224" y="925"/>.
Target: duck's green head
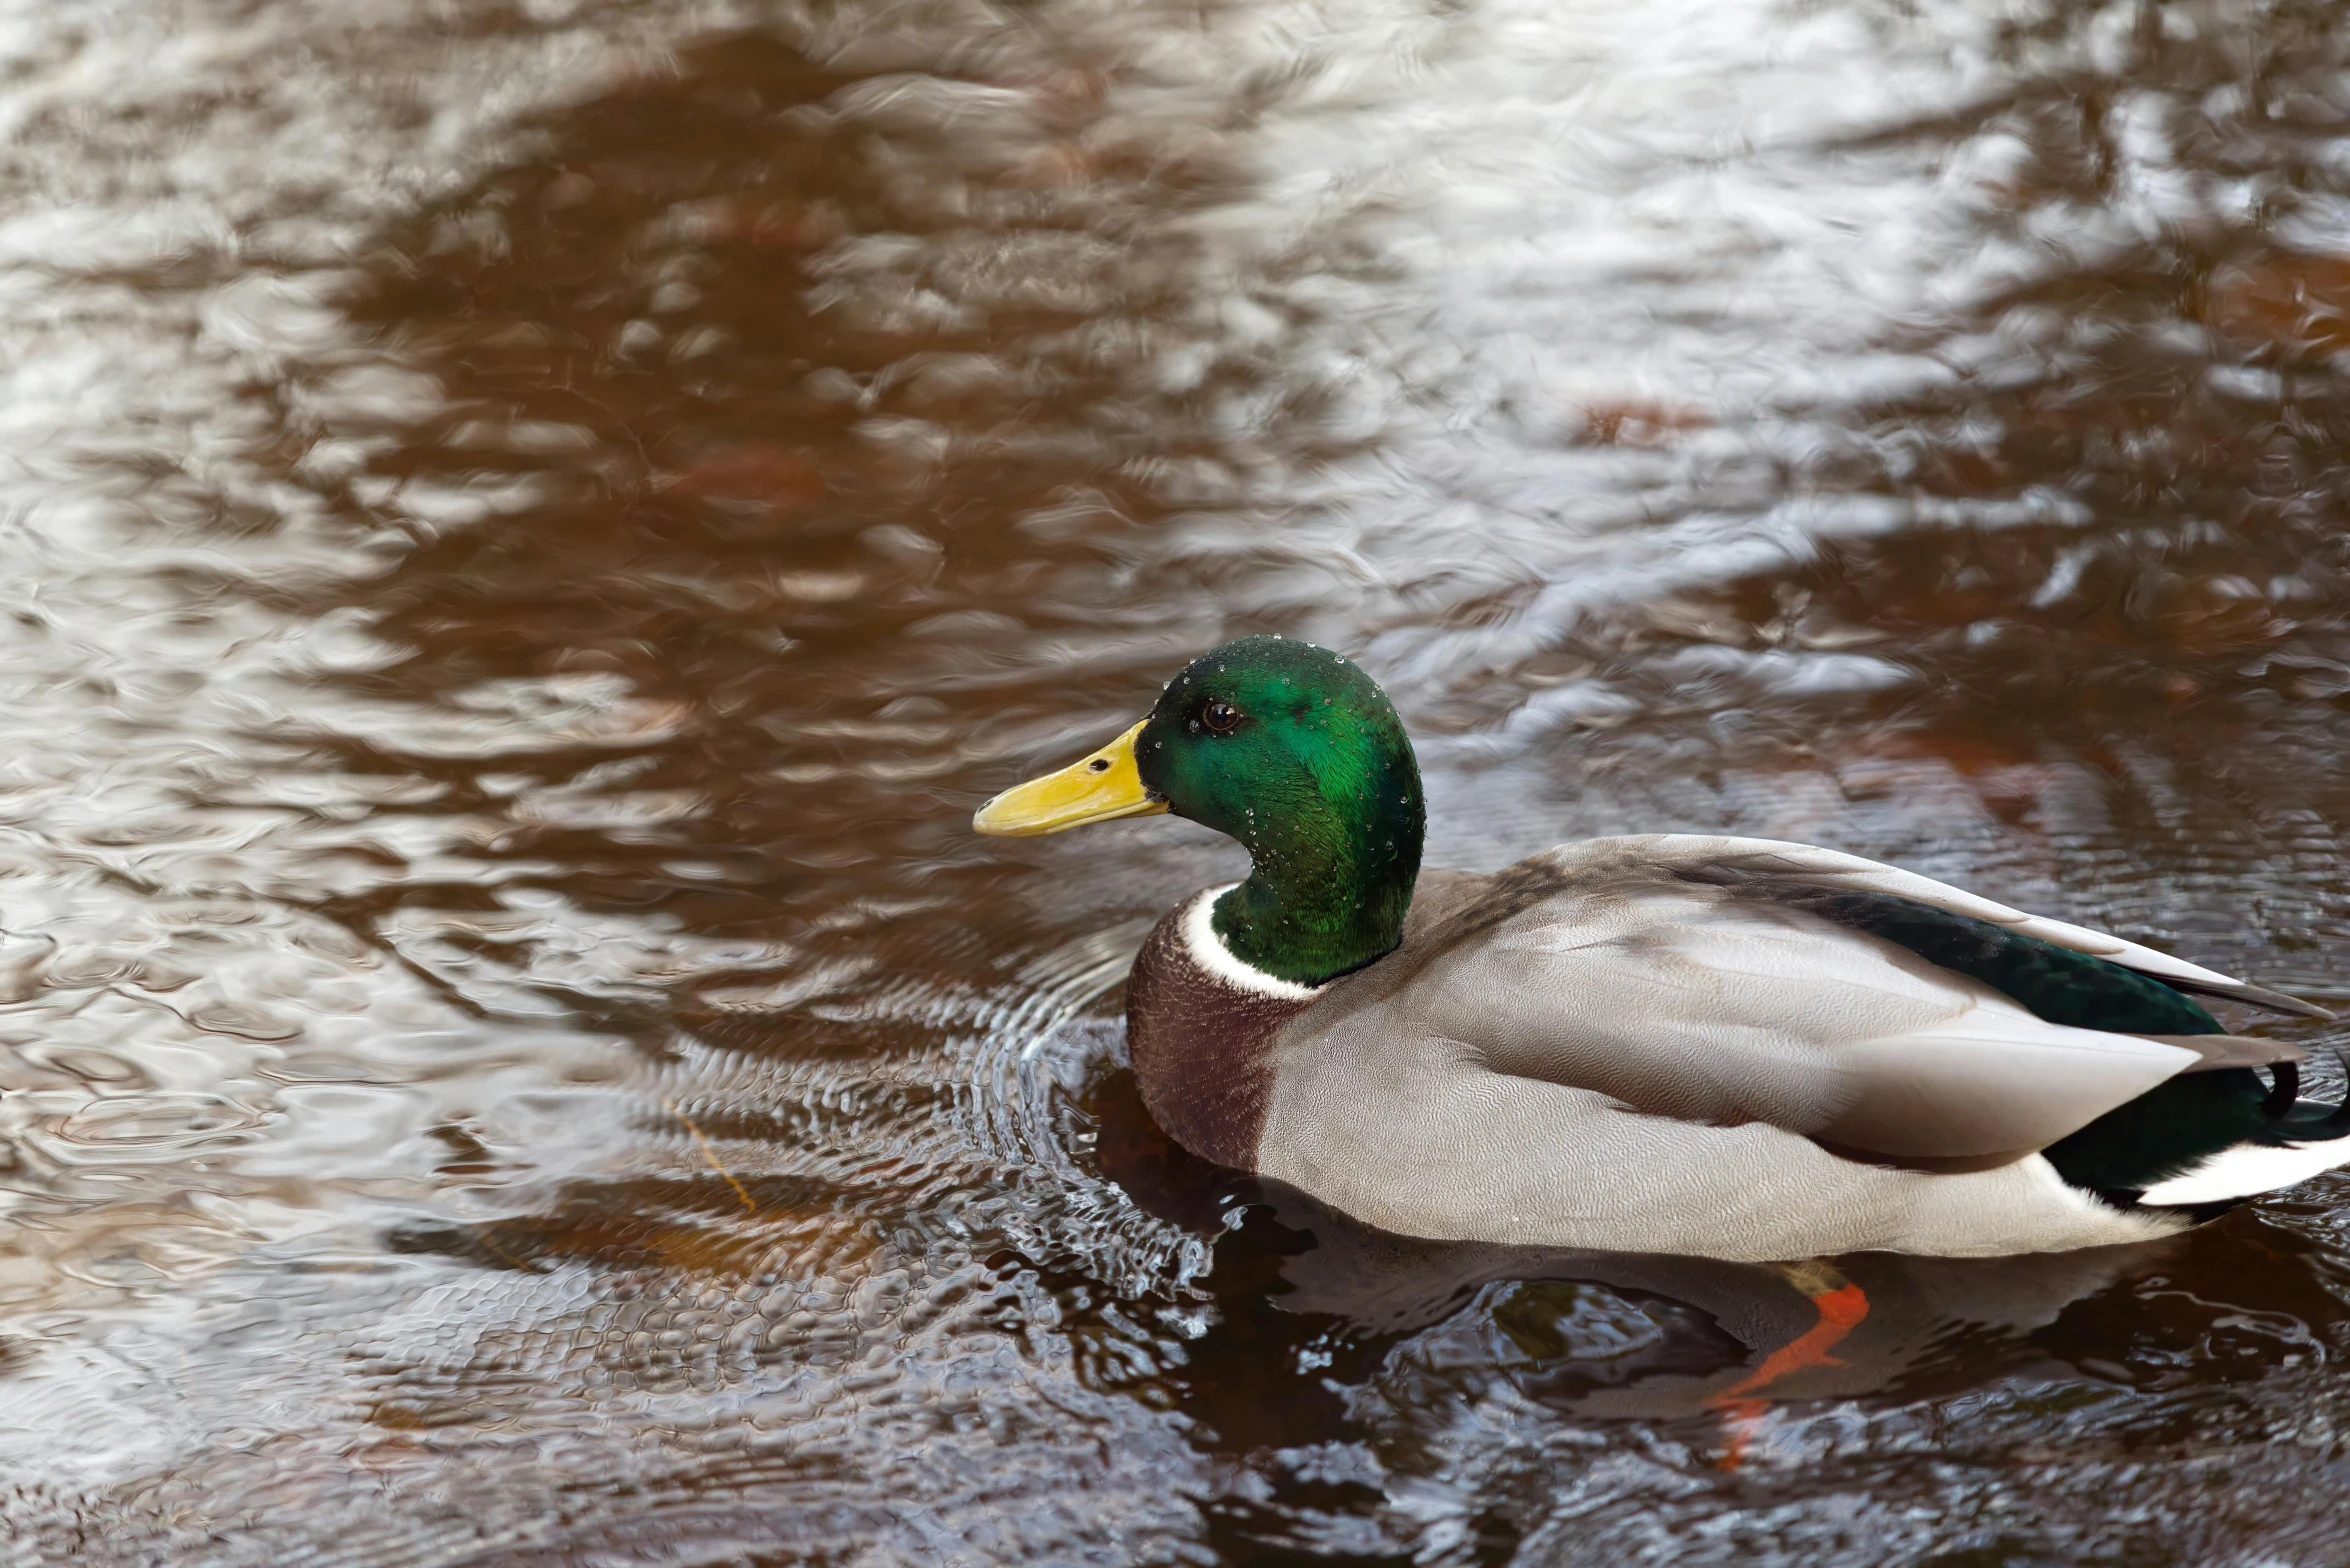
<point x="1296" y="753"/>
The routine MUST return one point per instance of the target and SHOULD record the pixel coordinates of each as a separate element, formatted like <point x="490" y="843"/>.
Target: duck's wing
<point x="1652" y="971"/>
<point x="1799" y="873"/>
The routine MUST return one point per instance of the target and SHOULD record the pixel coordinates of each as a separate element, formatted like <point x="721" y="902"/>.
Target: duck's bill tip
<point x="1095" y="788"/>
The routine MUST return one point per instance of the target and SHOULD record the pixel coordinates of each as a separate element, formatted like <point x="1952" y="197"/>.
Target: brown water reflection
<point x="532" y="529"/>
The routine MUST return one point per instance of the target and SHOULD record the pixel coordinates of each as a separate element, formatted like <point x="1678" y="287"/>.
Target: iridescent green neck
<point x="1331" y="879"/>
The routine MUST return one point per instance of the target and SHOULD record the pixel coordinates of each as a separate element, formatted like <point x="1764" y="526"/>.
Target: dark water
<point x="528" y="529"/>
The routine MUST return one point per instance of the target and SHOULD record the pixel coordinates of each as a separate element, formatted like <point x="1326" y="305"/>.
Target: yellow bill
<point x="1091" y="789"/>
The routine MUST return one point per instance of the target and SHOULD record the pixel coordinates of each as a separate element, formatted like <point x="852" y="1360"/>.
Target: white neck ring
<point x="1207" y="950"/>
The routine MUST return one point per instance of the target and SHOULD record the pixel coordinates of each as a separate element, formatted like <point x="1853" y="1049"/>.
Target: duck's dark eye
<point x="1220" y="717"/>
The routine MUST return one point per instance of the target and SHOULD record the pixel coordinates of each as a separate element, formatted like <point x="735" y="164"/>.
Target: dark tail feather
<point x="2284" y="1091"/>
<point x="2304" y="1121"/>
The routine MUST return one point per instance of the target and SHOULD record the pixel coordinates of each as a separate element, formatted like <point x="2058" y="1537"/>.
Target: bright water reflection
<point x="529" y="527"/>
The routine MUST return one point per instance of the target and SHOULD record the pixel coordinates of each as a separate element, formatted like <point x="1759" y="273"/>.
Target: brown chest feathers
<point x="1201" y="1047"/>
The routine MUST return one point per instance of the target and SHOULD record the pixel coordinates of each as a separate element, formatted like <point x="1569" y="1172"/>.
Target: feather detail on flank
<point x="1209" y="952"/>
<point x="2246" y="1170"/>
<point x="2073" y="1218"/>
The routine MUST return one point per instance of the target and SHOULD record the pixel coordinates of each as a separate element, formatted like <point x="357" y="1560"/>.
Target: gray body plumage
<point x="1640" y="1045"/>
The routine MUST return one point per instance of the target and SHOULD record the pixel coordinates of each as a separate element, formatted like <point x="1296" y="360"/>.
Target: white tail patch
<point x="2246" y="1169"/>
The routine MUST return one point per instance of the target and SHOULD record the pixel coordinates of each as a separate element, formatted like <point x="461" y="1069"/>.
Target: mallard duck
<point x="1723" y="1047"/>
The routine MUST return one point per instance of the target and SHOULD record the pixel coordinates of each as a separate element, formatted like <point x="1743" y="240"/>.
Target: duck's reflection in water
<point x="1706" y="1350"/>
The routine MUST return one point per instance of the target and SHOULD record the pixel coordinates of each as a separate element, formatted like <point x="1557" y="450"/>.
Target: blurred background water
<point x="525" y="529"/>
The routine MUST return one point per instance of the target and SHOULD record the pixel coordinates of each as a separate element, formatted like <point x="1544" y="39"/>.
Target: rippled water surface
<point x="525" y="529"/>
